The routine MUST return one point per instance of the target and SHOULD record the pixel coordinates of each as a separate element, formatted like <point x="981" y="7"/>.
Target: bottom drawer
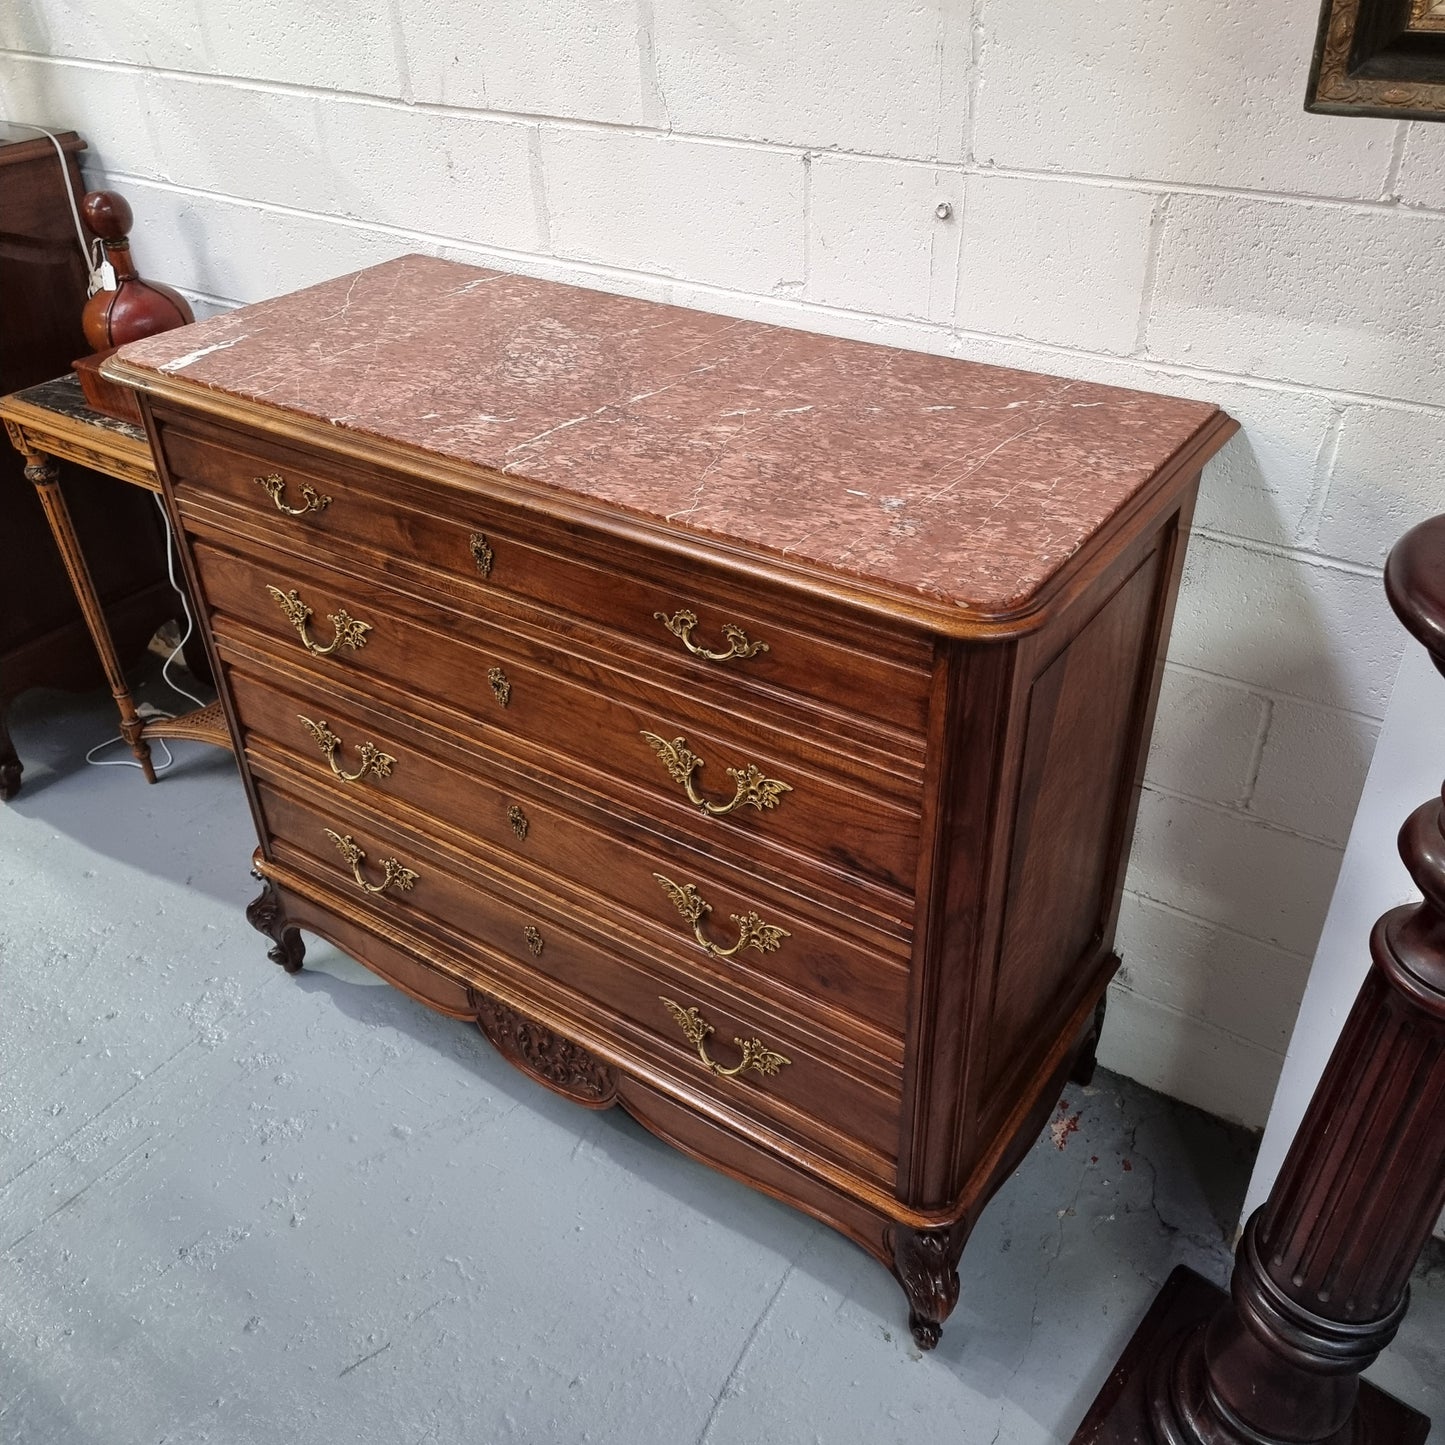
<point x="643" y="1013"/>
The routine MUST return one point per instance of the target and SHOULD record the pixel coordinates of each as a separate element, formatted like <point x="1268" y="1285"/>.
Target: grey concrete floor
<point x="239" y="1207"/>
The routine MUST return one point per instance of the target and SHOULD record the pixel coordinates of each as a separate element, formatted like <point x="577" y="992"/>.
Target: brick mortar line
<point x="940" y="330"/>
<point x="1291" y="554"/>
<point x="1176" y="911"/>
<point x="1322" y="478"/>
<point x="522" y="118"/>
<point x="1245" y="685"/>
<point x="1240" y="813"/>
<point x="1194" y="1019"/>
<point x="1256" y="761"/>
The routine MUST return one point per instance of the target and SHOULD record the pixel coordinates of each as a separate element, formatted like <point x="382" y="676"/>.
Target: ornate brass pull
<point x="481" y="553"/>
<point x="751" y="787"/>
<point x="681" y="624"/>
<point x="752" y="931"/>
<point x="373" y="760"/>
<point x="518" y="819"/>
<point x="534" y="940"/>
<point x="501" y="688"/>
<point x="275" y="484"/>
<point x="756" y="1054"/>
<point x="349" y="632"/>
<point x="394" y="875"/>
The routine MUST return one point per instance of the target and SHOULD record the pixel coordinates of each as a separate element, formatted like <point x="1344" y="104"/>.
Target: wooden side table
<point x="50" y="423"/>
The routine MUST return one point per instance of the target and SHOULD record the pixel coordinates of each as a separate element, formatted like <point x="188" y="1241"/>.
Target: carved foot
<point x="1084" y="1065"/>
<point x="924" y="1262"/>
<point x="265" y="914"/>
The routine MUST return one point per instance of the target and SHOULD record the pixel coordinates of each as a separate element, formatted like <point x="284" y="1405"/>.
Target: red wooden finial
<point x="135" y="307"/>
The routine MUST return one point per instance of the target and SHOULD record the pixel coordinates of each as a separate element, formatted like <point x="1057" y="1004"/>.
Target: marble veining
<point x="965" y="483"/>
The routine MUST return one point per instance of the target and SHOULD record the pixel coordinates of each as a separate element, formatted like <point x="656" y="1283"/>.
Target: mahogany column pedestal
<point x="1321" y="1276"/>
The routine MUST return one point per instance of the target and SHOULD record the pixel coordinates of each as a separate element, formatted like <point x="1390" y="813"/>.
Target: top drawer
<point x="520" y="560"/>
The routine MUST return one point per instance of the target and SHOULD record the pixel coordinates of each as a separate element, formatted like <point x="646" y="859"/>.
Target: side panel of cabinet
<point x="1036" y="755"/>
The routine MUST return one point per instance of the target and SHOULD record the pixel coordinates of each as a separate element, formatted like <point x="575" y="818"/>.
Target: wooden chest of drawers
<point x="740" y="726"/>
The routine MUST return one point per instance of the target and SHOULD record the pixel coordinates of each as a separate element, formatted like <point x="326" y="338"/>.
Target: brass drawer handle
<point x="501" y="688"/>
<point x="752" y="931"/>
<point x="275" y="485"/>
<point x="681" y="624"/>
<point x="481" y="554"/>
<point x="756" y="1054"/>
<point x="534" y="940"/>
<point x="394" y="875"/>
<point x="518" y="819"/>
<point x="349" y="632"/>
<point x="751" y="787"/>
<point x="372" y="759"/>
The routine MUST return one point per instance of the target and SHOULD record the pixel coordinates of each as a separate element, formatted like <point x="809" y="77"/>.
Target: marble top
<point x="958" y="482"/>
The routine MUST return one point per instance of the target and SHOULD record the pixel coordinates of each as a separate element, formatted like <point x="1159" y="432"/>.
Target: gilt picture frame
<point x="1379" y="57"/>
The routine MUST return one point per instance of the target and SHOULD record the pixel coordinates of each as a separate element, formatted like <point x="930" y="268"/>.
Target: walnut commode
<point x="739" y="725"/>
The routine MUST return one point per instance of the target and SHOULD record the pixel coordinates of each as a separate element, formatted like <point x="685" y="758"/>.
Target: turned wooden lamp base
<point x="1120" y="1414"/>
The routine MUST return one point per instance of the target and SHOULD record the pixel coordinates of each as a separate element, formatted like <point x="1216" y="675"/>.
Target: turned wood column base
<point x="1132" y="1408"/>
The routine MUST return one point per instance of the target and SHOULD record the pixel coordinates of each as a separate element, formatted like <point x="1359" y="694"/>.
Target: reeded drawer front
<point x="754" y="780"/>
<point x="812" y="960"/>
<point x="643" y="1003"/>
<point x="692" y="616"/>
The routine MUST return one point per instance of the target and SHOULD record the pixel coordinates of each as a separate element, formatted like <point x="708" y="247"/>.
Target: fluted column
<point x="1321" y="1277"/>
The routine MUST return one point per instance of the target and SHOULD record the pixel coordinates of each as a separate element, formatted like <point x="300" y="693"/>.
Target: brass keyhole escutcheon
<point x="501" y="688"/>
<point x="518" y="819"/>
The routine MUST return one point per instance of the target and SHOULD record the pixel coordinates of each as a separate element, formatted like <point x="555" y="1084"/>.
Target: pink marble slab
<point x="966" y="483"/>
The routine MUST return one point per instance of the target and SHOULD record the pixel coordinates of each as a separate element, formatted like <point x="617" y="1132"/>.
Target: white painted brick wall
<point x="1137" y="198"/>
<point x="1209" y="94"/>
<point x="1054" y="261"/>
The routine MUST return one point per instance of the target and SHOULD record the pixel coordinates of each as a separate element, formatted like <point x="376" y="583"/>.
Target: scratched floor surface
<point x="243" y="1208"/>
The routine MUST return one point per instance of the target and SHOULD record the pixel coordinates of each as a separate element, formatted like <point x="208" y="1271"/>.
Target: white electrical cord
<point x="101" y="277"/>
<point x="166" y="677"/>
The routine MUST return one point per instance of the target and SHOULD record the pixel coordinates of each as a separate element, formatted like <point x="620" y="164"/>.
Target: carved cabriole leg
<point x="10" y="765"/>
<point x="266" y="914"/>
<point x="925" y="1262"/>
<point x="43" y="473"/>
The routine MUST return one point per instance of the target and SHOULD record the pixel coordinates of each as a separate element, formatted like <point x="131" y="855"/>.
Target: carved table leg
<point x="926" y="1265"/>
<point x="266" y="914"/>
<point x="1321" y="1277"/>
<point x="43" y="472"/>
<point x="1088" y="1059"/>
<point x="10" y="765"/>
